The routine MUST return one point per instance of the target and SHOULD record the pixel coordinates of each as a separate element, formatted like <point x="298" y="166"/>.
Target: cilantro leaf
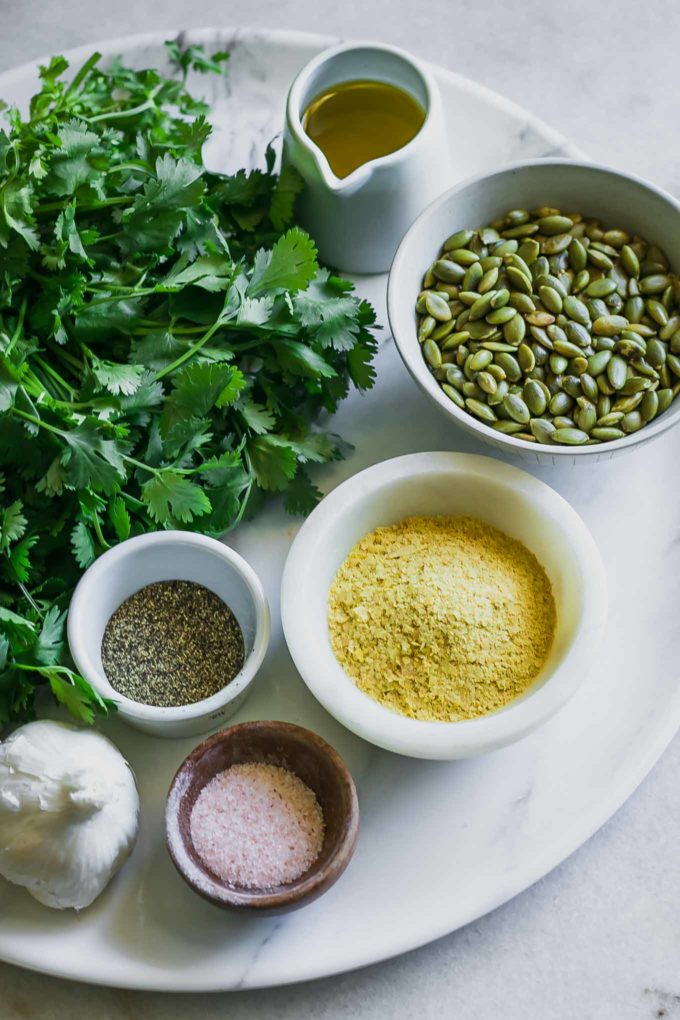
<point x="72" y="163"/>
<point x="76" y="695"/>
<point x="117" y="379"/>
<point x="273" y="460"/>
<point x="120" y="519"/>
<point x="171" y="498"/>
<point x="301" y="495"/>
<point x="196" y="388"/>
<point x="91" y="461"/>
<point x="289" y="266"/>
<point x="83" y="545"/>
<point x="12" y="524"/>
<point x="301" y="359"/>
<point x="20" y="558"/>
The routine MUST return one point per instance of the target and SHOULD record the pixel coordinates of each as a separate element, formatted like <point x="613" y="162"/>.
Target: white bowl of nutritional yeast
<point x="452" y="484"/>
<point x="169" y="556"/>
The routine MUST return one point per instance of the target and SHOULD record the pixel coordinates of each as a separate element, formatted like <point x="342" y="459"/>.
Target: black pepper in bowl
<point x="172" y="643"/>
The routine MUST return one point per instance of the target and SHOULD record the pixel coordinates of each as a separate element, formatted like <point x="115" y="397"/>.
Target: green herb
<point x="167" y="340"/>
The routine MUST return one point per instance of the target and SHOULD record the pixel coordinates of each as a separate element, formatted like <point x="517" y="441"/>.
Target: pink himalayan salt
<point x="257" y="826"/>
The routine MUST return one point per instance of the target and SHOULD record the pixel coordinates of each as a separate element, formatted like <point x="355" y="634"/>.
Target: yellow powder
<point x="441" y="618"/>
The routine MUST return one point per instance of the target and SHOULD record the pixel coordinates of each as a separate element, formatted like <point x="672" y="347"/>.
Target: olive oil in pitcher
<point x="357" y="121"/>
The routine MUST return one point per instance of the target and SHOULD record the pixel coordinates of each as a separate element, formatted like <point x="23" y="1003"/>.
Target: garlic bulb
<point x="69" y="812"/>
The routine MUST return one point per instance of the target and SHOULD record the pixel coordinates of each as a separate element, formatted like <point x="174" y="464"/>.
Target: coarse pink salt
<point x="257" y="825"/>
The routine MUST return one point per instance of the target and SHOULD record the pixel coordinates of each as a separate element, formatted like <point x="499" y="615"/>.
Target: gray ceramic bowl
<point x="616" y="198"/>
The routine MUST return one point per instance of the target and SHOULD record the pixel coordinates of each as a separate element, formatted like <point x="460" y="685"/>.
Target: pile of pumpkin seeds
<point x="553" y="328"/>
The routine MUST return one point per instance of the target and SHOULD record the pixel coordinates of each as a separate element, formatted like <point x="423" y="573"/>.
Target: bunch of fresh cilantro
<point x="167" y="340"/>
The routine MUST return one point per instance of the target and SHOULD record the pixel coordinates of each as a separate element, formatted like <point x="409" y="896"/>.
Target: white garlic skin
<point x="69" y="812"/>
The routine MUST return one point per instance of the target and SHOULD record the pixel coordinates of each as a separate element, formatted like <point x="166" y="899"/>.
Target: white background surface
<point x="600" y="937"/>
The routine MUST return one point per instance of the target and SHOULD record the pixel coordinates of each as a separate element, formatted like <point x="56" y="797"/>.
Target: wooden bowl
<point x="275" y="743"/>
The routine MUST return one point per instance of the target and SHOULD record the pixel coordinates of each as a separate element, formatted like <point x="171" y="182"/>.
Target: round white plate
<point x="440" y="843"/>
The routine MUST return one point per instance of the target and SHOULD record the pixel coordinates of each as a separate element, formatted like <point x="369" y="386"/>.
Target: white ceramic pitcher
<point x="358" y="221"/>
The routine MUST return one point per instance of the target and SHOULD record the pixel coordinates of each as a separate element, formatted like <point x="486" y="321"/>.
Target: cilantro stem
<point x="37" y="421"/>
<point x="104" y="203"/>
<point x="98" y="531"/>
<point x="82" y="74"/>
<point x="18" y="329"/>
<point x="189" y="353"/>
<point x="133" y="111"/>
<point x="52" y="372"/>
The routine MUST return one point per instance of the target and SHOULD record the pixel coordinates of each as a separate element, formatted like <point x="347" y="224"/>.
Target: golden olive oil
<point x="357" y="121"/>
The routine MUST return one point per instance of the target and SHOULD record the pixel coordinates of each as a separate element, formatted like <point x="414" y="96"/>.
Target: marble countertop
<point x="599" y="937"/>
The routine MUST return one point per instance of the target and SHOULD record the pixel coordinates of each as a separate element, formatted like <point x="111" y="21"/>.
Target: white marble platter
<point x="441" y="843"/>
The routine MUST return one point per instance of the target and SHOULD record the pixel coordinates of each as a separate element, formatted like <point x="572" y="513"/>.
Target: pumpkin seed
<point x="607" y="420"/>
<point x="609" y="325"/>
<point x="480" y="410"/>
<point x="673" y="362"/>
<point x="519" y="280"/>
<point x="488" y="280"/>
<point x="589" y="386"/>
<point x="455" y="340"/>
<point x="601" y="287"/>
<point x="509" y="428"/>
<point x="542" y="429"/>
<point x="516" y="408"/>
<point x="426" y="326"/>
<point x="514" y="331"/>
<point x="597" y="363"/>
<point x="486" y="381"/>
<point x="500" y="298"/>
<point x="630" y="261"/>
<point x="665" y="396"/>
<point x="432" y="354"/>
<point x="473" y="276"/>
<point x="460" y="239"/>
<point x="522" y="302"/>
<point x="481" y="306"/>
<point x="447" y="271"/>
<point x="654" y="284"/>
<point x="437" y="307"/>
<point x="607" y="433"/>
<point x="551" y="299"/>
<point x="529" y="250"/>
<point x="463" y="256"/>
<point x="510" y="366"/>
<point x="560" y="404"/>
<point x="626" y="404"/>
<point x="523" y="230"/>
<point x="617" y="370"/>
<point x="534" y="397"/>
<point x="649" y="406"/>
<point x="598" y="258"/>
<point x="572" y="437"/>
<point x="657" y="311"/>
<point x="576" y="310"/>
<point x="501" y="315"/>
<point x="506" y="248"/>
<point x="454" y="395"/>
<point x="481" y="360"/>
<point x="557" y="244"/>
<point x="632" y="421"/>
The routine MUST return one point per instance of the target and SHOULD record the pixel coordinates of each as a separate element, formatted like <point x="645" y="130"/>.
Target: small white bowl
<point x="616" y="198"/>
<point x="168" y="556"/>
<point x="445" y="483"/>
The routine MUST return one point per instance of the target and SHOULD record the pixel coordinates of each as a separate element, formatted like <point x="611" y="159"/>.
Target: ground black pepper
<point x="172" y="643"/>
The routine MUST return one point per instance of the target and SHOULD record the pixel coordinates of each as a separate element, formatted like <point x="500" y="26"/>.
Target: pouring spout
<point x="344" y="185"/>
